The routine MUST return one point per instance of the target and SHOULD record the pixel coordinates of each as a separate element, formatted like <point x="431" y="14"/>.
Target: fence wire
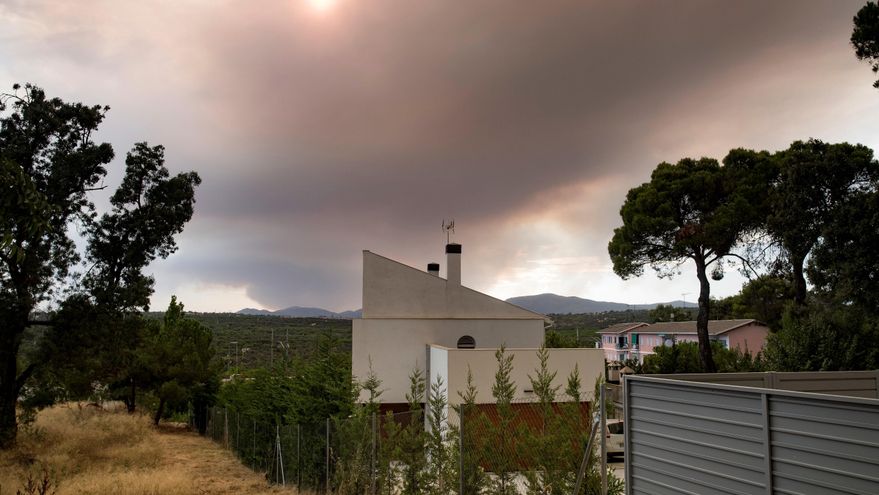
<point x="522" y="448"/>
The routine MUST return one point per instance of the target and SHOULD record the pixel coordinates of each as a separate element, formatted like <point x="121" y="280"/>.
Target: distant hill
<point x="555" y="304"/>
<point x="542" y="303"/>
<point x="301" y="312"/>
<point x="254" y="312"/>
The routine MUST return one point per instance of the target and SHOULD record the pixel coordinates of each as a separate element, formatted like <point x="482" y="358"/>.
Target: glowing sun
<point x="322" y="5"/>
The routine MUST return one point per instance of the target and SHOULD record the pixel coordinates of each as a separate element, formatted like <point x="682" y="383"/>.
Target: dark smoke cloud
<point x="319" y="135"/>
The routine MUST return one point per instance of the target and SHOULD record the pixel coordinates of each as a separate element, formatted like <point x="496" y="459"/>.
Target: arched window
<point x="466" y="342"/>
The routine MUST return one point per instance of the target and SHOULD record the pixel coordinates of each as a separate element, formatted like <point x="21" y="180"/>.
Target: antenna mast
<point x="449" y="228"/>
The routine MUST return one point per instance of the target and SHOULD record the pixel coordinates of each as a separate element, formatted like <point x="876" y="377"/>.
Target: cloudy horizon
<point x="322" y="128"/>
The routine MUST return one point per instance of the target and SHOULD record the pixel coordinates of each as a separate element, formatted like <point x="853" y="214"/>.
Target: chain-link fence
<point x="520" y="448"/>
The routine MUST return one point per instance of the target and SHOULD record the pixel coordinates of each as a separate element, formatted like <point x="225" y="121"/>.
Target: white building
<point x="416" y="319"/>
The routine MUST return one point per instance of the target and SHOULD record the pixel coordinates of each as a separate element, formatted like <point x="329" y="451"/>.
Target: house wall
<point x="483" y="365"/>
<point x="751" y="337"/>
<point x="397" y="346"/>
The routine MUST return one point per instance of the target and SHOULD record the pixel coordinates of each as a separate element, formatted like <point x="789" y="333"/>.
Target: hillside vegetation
<point x="79" y="449"/>
<point x="253" y="334"/>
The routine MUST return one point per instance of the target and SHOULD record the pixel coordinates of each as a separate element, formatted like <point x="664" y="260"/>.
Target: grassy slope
<point x="89" y="451"/>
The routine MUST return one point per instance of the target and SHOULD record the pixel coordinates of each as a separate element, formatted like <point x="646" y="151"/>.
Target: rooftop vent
<point x="433" y="269"/>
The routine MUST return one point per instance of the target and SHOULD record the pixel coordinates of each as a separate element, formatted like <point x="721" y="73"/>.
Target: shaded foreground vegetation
<point x="293" y="337"/>
<point x="303" y="426"/>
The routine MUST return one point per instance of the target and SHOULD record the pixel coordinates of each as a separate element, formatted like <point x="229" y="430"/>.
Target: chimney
<point x="453" y="263"/>
<point x="433" y="269"/>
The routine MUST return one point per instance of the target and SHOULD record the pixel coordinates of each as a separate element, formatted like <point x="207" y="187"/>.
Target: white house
<point x="416" y="319"/>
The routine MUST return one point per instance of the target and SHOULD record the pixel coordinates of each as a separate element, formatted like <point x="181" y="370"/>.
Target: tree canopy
<point x="180" y="361"/>
<point x="149" y="209"/>
<point x="814" y="180"/>
<point x="865" y="37"/>
<point x="49" y="163"/>
<point x="692" y="210"/>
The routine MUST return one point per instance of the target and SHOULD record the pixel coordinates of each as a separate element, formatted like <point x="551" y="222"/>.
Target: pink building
<point x="636" y="340"/>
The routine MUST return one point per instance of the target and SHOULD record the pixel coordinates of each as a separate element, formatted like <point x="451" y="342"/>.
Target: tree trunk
<point x="797" y="263"/>
<point x="8" y="395"/>
<point x="200" y="415"/>
<point x="702" y="318"/>
<point x="131" y="401"/>
<point x="159" y="411"/>
<point x="10" y="383"/>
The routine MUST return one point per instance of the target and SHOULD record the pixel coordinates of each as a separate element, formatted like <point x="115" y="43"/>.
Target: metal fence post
<point x="298" y="457"/>
<point x="584" y="464"/>
<point x="225" y="428"/>
<point x="603" y="412"/>
<point x="280" y="456"/>
<point x="767" y="441"/>
<point x="461" y="450"/>
<point x="328" y="457"/>
<point x="627" y="435"/>
<point x="372" y="473"/>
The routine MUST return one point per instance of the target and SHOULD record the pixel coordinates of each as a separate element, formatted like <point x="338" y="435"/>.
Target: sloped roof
<point x="394" y="290"/>
<point x="623" y="327"/>
<point x="715" y="327"/>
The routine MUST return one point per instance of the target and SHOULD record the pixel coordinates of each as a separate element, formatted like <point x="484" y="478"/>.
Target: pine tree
<point x="471" y="438"/>
<point x="547" y="445"/>
<point x="412" y="438"/>
<point x="502" y="457"/>
<point x="441" y="474"/>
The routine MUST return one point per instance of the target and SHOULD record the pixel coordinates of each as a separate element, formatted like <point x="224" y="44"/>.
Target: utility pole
<point x="237" y="361"/>
<point x="686" y="310"/>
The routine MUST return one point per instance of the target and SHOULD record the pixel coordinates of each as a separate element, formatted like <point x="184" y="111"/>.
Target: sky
<point x="322" y="128"/>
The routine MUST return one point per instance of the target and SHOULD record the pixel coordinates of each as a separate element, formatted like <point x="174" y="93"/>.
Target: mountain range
<point x="541" y="303"/>
<point x="302" y="312"/>
<point x="556" y="304"/>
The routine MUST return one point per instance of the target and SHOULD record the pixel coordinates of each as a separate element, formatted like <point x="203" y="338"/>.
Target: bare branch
<point x="23" y="377"/>
<point x="745" y="263"/>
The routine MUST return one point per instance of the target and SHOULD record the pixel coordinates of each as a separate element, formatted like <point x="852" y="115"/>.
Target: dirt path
<point x="82" y="451"/>
<point x="213" y="469"/>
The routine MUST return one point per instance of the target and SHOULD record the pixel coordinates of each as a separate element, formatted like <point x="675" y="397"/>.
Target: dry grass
<point x="87" y="450"/>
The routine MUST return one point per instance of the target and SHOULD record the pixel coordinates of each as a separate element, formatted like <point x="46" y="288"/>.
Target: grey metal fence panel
<point x="685" y="437"/>
<point x="848" y="383"/>
<point x="830" y="446"/>
<point x="689" y="440"/>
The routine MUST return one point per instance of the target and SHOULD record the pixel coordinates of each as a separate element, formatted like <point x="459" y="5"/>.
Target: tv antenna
<point x="449" y="229"/>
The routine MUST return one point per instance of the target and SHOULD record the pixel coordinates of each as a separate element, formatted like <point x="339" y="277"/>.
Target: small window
<point x="466" y="342"/>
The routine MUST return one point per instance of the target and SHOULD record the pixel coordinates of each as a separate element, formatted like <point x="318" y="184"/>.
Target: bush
<point x="824" y="337"/>
<point x="683" y="357"/>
